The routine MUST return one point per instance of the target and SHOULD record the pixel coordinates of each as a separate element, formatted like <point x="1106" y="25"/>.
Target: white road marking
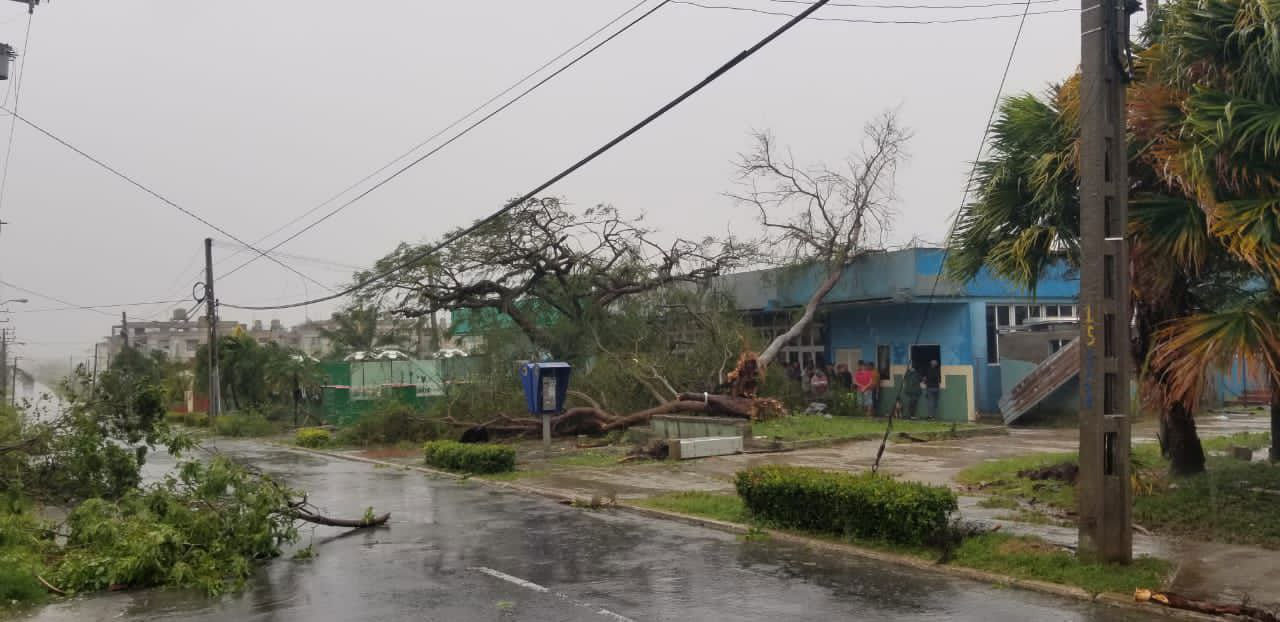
<point x="530" y="585"/>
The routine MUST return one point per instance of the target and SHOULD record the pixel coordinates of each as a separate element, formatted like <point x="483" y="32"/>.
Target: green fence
<point x="353" y="387"/>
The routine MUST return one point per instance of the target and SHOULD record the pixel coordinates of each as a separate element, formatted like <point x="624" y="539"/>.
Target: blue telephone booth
<point x="545" y="385"/>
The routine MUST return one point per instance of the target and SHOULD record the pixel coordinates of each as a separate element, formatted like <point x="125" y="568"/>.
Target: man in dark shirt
<point x="932" y="387"/>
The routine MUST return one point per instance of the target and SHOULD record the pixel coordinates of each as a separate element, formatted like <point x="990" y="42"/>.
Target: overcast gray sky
<point x="249" y="113"/>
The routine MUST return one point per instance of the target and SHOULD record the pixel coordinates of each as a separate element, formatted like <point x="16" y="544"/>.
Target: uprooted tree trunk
<point x="810" y="310"/>
<point x="741" y="402"/>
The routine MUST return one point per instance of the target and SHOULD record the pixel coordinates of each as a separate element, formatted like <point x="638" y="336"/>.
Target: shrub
<point x="391" y="422"/>
<point x="470" y="458"/>
<point x="312" y="437"/>
<point x="845" y="404"/>
<point x="243" y="425"/>
<point x="176" y="418"/>
<point x="866" y="506"/>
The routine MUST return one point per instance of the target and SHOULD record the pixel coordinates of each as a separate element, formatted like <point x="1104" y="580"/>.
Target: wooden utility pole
<point x="1106" y="512"/>
<point x="211" y="313"/>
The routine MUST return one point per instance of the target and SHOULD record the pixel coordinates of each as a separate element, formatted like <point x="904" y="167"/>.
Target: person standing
<point x="875" y="389"/>
<point x="911" y="386"/>
<point x="844" y="379"/>
<point x="933" y="387"/>
<point x="862" y="380"/>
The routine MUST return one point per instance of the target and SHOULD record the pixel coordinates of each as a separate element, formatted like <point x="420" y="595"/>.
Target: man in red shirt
<point x="863" y="380"/>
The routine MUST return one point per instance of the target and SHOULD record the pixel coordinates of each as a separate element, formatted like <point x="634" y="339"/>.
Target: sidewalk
<point x="1212" y="571"/>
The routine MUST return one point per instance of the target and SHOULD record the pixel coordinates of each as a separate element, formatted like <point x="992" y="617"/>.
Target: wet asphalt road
<point x="457" y="551"/>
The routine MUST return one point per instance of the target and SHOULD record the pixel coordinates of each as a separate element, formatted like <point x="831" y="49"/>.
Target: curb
<point x="1053" y="589"/>
<point x="929" y="437"/>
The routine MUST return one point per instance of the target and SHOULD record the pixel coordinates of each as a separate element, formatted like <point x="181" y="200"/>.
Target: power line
<point x="690" y="92"/>
<point x="462" y="133"/>
<point x="155" y="194"/>
<point x="856" y="20"/>
<point x="53" y="298"/>
<point x="17" y="97"/>
<point x="980" y="5"/>
<point x="71" y="307"/>
<point x="314" y="260"/>
<point x="448" y="127"/>
<point x="964" y="200"/>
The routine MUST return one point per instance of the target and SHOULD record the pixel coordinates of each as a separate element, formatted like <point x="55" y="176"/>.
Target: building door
<point x="922" y="354"/>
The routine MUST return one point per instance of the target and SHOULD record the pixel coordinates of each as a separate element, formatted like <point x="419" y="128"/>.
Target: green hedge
<point x="312" y="437"/>
<point x="864" y="506"/>
<point x="470" y="458"/>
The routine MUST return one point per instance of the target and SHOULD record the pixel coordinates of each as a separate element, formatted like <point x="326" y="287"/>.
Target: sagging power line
<point x="456" y="122"/>
<point x="460" y="134"/>
<point x="157" y="195"/>
<point x="859" y="20"/>
<point x="690" y="92"/>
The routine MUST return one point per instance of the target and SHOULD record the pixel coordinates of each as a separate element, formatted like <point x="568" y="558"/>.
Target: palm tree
<point x="356" y="330"/>
<point x="1212" y="105"/>
<point x="292" y="373"/>
<point x="1203" y="179"/>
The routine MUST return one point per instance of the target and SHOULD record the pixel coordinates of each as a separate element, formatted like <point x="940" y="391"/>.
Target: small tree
<point x="821" y="216"/>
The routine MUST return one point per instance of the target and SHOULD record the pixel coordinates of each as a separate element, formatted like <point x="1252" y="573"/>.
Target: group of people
<point x="816" y="382"/>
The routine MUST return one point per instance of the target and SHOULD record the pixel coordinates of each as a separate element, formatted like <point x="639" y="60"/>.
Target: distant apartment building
<point x="181" y="338"/>
<point x="178" y="337"/>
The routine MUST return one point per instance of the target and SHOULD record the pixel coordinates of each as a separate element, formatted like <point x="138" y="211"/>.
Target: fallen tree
<point x="741" y="401"/>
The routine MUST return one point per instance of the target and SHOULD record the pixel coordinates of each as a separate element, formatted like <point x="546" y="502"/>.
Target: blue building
<point x="894" y="309"/>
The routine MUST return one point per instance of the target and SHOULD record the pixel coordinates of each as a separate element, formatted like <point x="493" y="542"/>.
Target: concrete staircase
<point x="1046" y="378"/>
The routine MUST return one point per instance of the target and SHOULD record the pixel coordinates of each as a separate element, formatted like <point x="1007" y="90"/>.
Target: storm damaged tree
<point x="821" y="218"/>
<point x="204" y="524"/>
<point x="550" y="271"/>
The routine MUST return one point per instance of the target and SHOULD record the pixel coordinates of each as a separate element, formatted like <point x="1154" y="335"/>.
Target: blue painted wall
<point x="866" y="327"/>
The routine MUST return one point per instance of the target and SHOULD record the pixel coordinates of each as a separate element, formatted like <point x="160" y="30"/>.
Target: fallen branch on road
<point x="1169" y="599"/>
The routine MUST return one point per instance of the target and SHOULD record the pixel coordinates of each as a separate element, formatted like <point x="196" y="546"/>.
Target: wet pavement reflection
<point x="458" y="551"/>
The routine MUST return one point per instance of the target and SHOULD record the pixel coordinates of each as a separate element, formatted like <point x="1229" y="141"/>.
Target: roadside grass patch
<point x="470" y="458"/>
<point x="1032" y="558"/>
<point x="810" y="427"/>
<point x="1235" y="502"/>
<point x="999" y="478"/>
<point x="586" y="459"/>
<point x="1252" y="440"/>
<point x="721" y="506"/>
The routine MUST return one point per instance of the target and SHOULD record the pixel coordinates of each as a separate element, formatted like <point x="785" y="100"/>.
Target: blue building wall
<point x="866" y="327"/>
<point x="881" y="299"/>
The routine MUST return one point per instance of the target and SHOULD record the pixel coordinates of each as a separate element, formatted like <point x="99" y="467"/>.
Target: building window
<point x="809" y="348"/>
<point x="993" y="335"/>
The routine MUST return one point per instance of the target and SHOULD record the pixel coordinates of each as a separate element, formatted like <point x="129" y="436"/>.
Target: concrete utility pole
<point x="211" y="313"/>
<point x="1106" y="511"/>
<point x="13" y="397"/>
<point x="4" y="361"/>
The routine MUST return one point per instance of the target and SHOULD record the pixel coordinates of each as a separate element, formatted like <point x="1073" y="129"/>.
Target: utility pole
<point x="4" y="361"/>
<point x="124" y="328"/>
<point x="211" y="313"/>
<point x="1106" y="497"/>
<point x="13" y="397"/>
